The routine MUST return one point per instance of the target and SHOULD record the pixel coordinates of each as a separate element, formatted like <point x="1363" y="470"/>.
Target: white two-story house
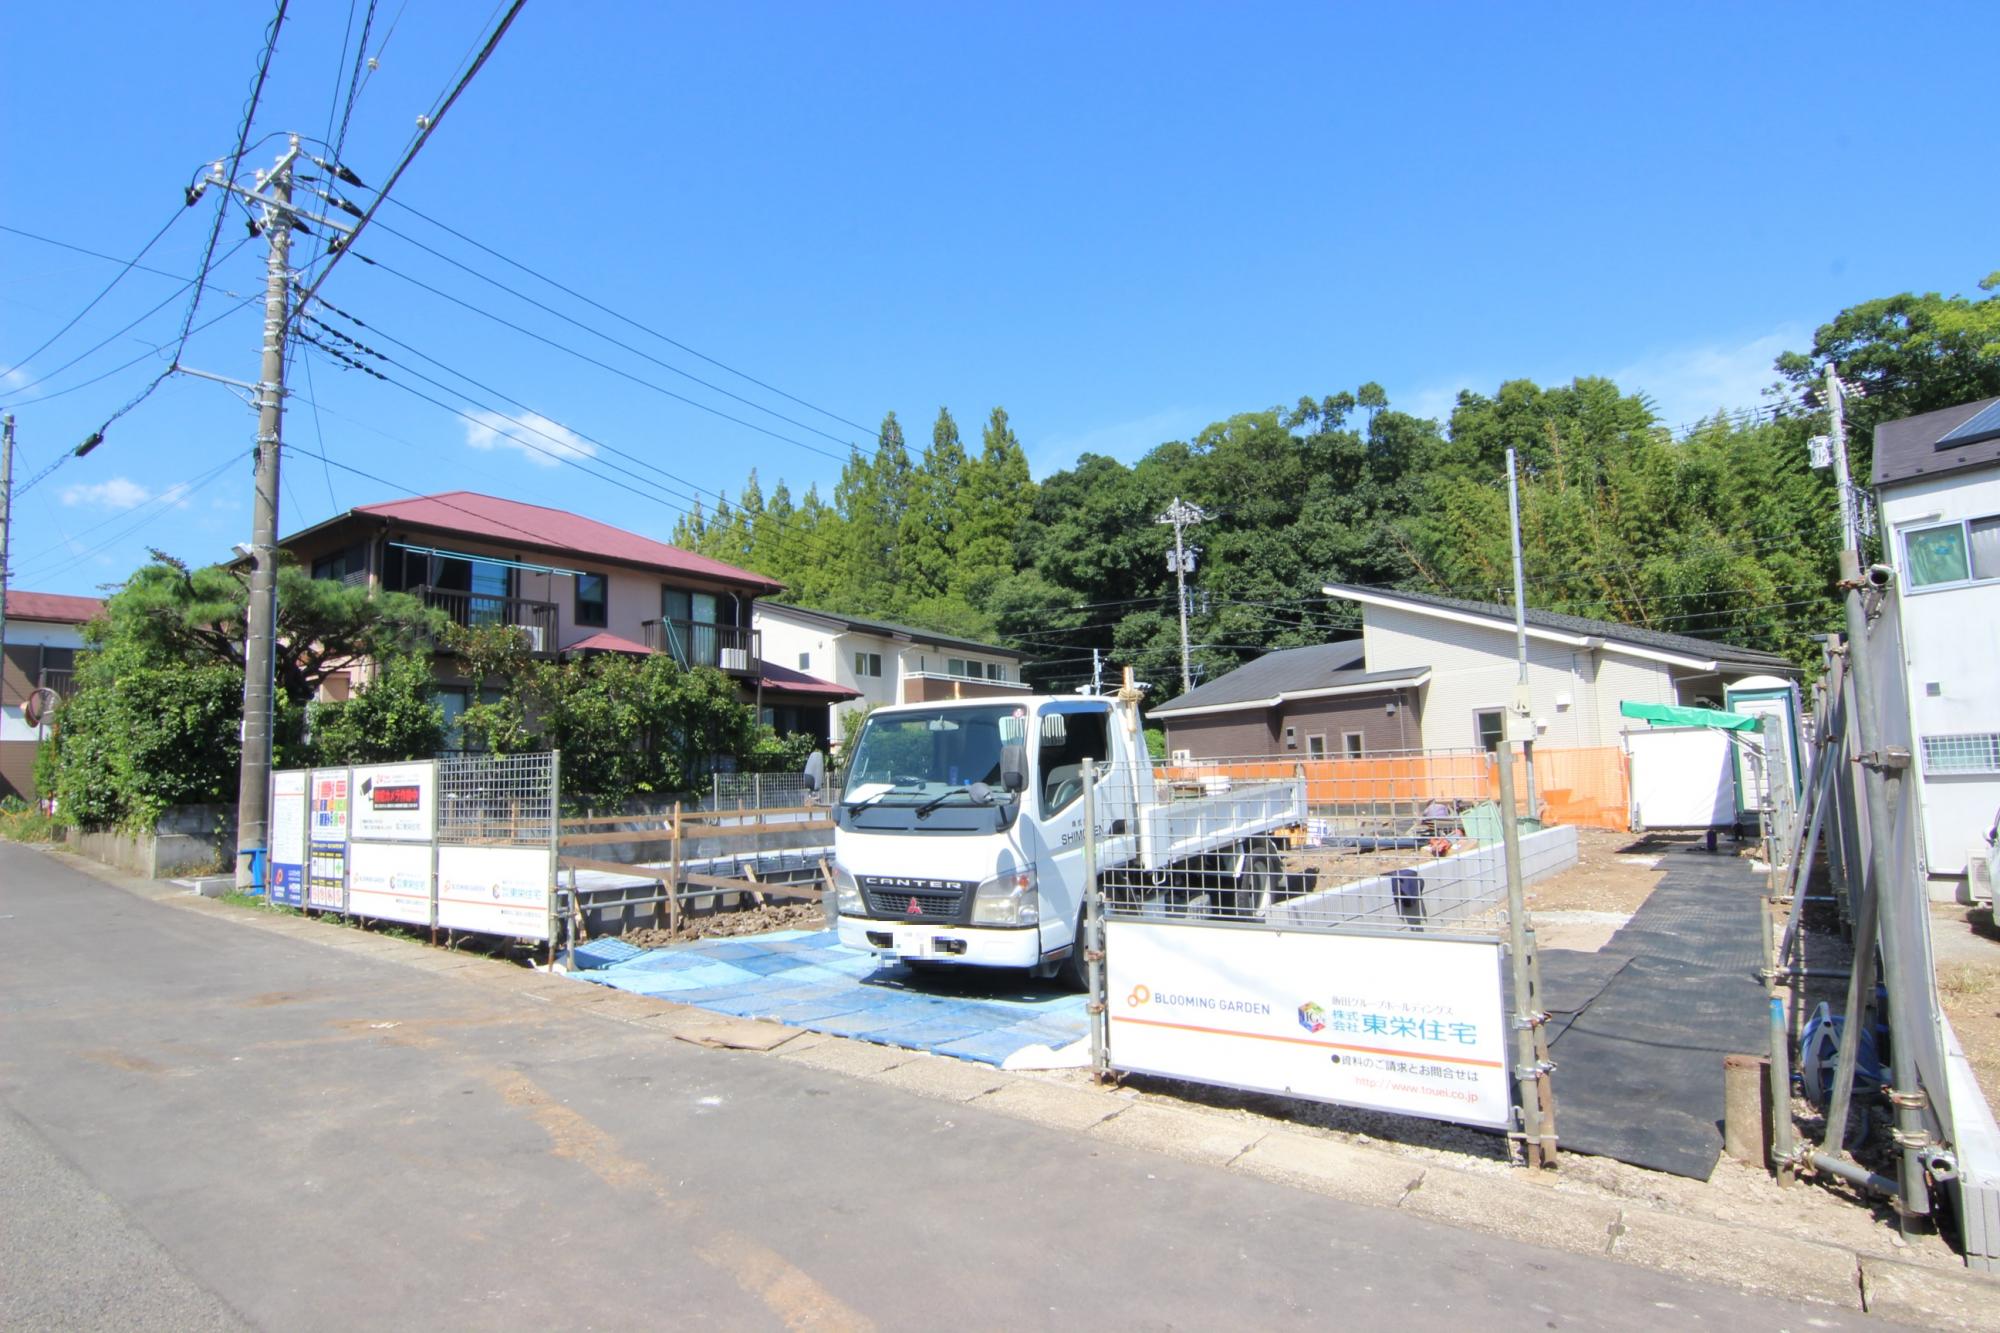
<point x="1937" y="480"/>
<point x="881" y="662"/>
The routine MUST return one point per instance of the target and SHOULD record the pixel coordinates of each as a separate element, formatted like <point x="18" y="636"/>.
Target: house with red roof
<point x="572" y="585"/>
<point x="44" y="631"/>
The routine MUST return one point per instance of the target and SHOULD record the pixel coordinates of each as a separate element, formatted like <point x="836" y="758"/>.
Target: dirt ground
<point x="794" y="914"/>
<point x="1967" y="945"/>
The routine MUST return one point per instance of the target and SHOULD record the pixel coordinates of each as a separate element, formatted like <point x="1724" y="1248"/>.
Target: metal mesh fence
<point x="1404" y="843"/>
<point x="754" y="791"/>
<point x="497" y="800"/>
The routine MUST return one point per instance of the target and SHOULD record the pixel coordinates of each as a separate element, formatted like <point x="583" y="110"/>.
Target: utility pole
<point x="6" y="522"/>
<point x="1181" y="560"/>
<point x="1524" y="706"/>
<point x="253" y="792"/>
<point x="1096" y="671"/>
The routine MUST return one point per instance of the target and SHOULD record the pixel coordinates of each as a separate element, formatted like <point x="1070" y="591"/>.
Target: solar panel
<point x="1984" y="425"/>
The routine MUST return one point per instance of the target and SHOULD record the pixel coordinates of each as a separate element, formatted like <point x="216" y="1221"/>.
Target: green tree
<point x="931" y="529"/>
<point x="1910" y="353"/>
<point x="395" y="715"/>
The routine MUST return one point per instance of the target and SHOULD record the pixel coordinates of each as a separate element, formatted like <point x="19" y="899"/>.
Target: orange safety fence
<point x="1584" y="786"/>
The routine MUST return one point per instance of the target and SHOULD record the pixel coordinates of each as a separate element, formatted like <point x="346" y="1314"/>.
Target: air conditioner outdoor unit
<point x="533" y="633"/>
<point x="1182" y="758"/>
<point x="735" y="659"/>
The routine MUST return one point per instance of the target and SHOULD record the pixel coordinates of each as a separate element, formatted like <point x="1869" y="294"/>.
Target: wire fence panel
<point x="1408" y="843"/>
<point x="497" y="800"/>
<point x="1587" y="786"/>
<point x="753" y="791"/>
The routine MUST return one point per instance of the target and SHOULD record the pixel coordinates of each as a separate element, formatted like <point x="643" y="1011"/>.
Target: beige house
<point x="573" y="585"/>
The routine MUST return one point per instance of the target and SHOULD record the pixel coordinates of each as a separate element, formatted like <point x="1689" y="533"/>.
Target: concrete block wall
<point x="1456" y="887"/>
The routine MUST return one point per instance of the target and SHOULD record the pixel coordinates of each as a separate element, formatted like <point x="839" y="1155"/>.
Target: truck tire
<point x="1074" y="971"/>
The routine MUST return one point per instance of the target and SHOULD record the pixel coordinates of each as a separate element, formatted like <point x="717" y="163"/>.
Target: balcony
<point x="537" y="620"/>
<point x="60" y="679"/>
<point x="731" y="648"/>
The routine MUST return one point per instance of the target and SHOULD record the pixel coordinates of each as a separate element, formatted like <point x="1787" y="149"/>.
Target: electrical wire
<point x="597" y="333"/>
<point x="111" y="338"/>
<point x="168" y="499"/>
<point x="105" y="291"/>
<point x="588" y="359"/>
<point x="430" y="124"/>
<point x="624" y="318"/>
<point x="94" y="254"/>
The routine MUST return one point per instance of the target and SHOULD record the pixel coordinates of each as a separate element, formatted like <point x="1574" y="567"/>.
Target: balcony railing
<point x="60" y="679"/>
<point x="731" y="648"/>
<point x="536" y="620"/>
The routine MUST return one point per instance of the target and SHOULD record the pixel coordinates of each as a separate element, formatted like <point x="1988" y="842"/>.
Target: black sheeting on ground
<point x="1641" y="1027"/>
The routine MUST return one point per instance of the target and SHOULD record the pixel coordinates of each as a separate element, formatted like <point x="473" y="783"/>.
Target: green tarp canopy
<point x="1673" y="715"/>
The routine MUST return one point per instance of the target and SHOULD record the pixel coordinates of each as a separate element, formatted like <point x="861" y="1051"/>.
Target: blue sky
<point x="1119" y="222"/>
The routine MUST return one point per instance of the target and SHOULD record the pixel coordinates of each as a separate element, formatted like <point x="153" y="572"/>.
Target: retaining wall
<point x="1453" y="888"/>
<point x="188" y="839"/>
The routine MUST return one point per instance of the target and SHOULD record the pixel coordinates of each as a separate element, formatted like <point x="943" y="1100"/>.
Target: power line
<point x="128" y="266"/>
<point x="94" y="254"/>
<point x="627" y="319"/>
<point x="624" y="346"/>
<point x="429" y="126"/>
<point x="111" y="338"/>
<point x="588" y="359"/>
<point x="168" y="499"/>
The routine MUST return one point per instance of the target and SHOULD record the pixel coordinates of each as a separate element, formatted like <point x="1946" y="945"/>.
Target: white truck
<point x="959" y="835"/>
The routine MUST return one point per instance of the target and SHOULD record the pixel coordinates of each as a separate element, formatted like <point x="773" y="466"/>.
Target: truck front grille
<point x="930" y="906"/>
<point x="935" y="899"/>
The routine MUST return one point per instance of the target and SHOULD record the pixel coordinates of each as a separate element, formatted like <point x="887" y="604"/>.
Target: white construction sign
<point x="390" y="881"/>
<point x="1403" y="1023"/>
<point x="394" y="802"/>
<point x="495" y="890"/>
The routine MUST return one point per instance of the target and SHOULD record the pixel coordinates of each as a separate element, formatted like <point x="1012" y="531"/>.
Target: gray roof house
<point x="1318" y="700"/>
<point x="1579" y="669"/>
<point x="1432" y="672"/>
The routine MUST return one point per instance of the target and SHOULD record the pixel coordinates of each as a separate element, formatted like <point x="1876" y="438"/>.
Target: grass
<point x="1967" y="981"/>
<point x="255" y="902"/>
<point x="21" y="822"/>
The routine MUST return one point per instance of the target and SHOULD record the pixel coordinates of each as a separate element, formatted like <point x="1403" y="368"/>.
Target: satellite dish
<point x="38" y="705"/>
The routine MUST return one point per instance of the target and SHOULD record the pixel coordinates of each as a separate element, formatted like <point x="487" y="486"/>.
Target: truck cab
<point x="959" y="836"/>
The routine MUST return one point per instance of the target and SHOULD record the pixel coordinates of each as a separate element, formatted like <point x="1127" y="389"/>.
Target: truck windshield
<point x="913" y="758"/>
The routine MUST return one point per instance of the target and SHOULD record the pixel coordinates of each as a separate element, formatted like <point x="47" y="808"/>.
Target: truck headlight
<point x="1008" y="899"/>
<point x="846" y="893"/>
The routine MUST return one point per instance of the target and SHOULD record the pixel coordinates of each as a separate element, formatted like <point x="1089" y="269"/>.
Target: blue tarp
<point x="806" y="979"/>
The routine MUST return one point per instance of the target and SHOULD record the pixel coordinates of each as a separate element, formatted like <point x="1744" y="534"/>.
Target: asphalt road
<point x="205" y="1125"/>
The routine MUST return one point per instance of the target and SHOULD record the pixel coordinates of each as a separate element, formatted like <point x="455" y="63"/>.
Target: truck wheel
<point x="1074" y="971"/>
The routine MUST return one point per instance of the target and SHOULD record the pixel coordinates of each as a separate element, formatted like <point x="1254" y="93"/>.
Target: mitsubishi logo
<point x="915" y="909"/>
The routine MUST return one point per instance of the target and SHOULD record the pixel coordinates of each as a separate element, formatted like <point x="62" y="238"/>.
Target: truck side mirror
<point x="815" y="773"/>
<point x="1014" y="766"/>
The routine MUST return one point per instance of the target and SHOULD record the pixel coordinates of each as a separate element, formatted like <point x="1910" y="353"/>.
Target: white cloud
<point x="539" y="439"/>
<point x="117" y="493"/>
<point x="1126" y="441"/>
<point x="13" y="377"/>
<point x="1690" y="383"/>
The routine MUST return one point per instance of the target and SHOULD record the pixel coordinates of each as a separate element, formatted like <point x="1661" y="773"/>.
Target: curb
<point x="1531" y="1211"/>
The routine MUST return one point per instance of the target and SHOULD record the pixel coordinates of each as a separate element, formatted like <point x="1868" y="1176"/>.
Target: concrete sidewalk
<point x="316" y="1126"/>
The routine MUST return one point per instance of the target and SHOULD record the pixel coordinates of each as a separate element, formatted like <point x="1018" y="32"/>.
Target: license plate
<point x="912" y="943"/>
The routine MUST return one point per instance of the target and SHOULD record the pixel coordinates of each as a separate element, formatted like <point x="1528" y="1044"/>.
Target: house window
<point x="1972" y="752"/>
<point x="996" y="671"/>
<point x="1490" y="725"/>
<point x="956" y="666"/>
<point x="592" y="601"/>
<point x="805" y="661"/>
<point x="1291" y="738"/>
<point x="1352" y="744"/>
<point x="346" y="566"/>
<point x="868" y="664"/>
<point x="1316" y="747"/>
<point x="1949" y="553"/>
